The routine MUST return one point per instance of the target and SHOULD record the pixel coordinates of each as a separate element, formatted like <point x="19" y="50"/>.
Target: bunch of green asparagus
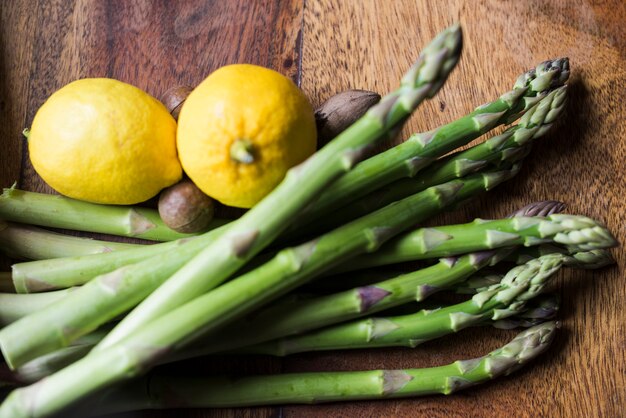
<point x="89" y="315"/>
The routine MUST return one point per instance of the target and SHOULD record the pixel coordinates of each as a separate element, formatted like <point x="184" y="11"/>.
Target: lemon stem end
<point x="242" y="151"/>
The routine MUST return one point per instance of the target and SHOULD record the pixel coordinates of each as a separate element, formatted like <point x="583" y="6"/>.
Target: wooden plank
<point x="368" y="44"/>
<point x="150" y="44"/>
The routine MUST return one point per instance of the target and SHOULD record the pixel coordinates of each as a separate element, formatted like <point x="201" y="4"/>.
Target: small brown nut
<point x="340" y="111"/>
<point x="174" y="98"/>
<point x="184" y="208"/>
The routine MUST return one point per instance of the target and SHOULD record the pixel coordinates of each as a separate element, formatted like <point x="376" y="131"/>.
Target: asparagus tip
<point x="541" y="208"/>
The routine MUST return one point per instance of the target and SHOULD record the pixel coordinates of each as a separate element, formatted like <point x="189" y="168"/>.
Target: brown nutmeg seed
<point x="174" y="98"/>
<point x="184" y="208"/>
<point x="340" y="111"/>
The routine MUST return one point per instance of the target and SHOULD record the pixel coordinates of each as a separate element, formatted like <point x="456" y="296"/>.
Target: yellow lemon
<point x="240" y="131"/>
<point x="104" y="141"/>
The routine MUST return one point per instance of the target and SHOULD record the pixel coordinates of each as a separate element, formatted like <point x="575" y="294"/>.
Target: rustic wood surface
<point x="329" y="46"/>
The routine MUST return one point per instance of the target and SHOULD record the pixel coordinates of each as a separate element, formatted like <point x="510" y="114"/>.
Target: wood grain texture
<point x="152" y="44"/>
<point x="368" y="44"/>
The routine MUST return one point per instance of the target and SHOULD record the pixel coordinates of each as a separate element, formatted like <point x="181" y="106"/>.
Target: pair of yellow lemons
<point x="239" y="131"/>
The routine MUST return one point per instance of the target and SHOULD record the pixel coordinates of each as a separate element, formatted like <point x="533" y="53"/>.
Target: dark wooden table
<point x="327" y="46"/>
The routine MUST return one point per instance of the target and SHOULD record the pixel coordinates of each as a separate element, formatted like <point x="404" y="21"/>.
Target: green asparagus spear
<point x="28" y="242"/>
<point x="148" y="344"/>
<point x="499" y="301"/>
<point x="578" y="233"/>
<point x="506" y="147"/>
<point x="158" y="392"/>
<point x="408" y="158"/>
<point x="62" y="212"/>
<point x="59" y="273"/>
<point x="255" y="230"/>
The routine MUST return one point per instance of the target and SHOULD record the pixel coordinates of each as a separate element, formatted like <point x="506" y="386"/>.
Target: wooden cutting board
<point x="328" y="46"/>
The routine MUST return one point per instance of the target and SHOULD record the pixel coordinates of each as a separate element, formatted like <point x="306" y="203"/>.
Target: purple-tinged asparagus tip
<point x="542" y="208"/>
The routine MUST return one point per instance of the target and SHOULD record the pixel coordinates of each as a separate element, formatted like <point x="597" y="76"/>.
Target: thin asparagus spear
<point x="538" y="310"/>
<point x="364" y="277"/>
<point x="59" y="273"/>
<point x="62" y="212"/>
<point x="578" y="233"/>
<point x="255" y="230"/>
<point x="289" y="268"/>
<point x="408" y="158"/>
<point x="28" y="242"/>
<point x="54" y="274"/>
<point x="14" y="307"/>
<point x="499" y="301"/>
<point x="159" y="392"/>
<point x="506" y="147"/>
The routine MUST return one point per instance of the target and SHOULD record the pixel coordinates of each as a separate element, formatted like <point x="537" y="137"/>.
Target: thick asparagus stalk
<point x="506" y="147"/>
<point x="256" y="229"/>
<point x="28" y="242"/>
<point x="577" y="233"/>
<point x="158" y="392"/>
<point x="408" y="158"/>
<point x="288" y="269"/>
<point x="62" y="212"/>
<point x="499" y="301"/>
